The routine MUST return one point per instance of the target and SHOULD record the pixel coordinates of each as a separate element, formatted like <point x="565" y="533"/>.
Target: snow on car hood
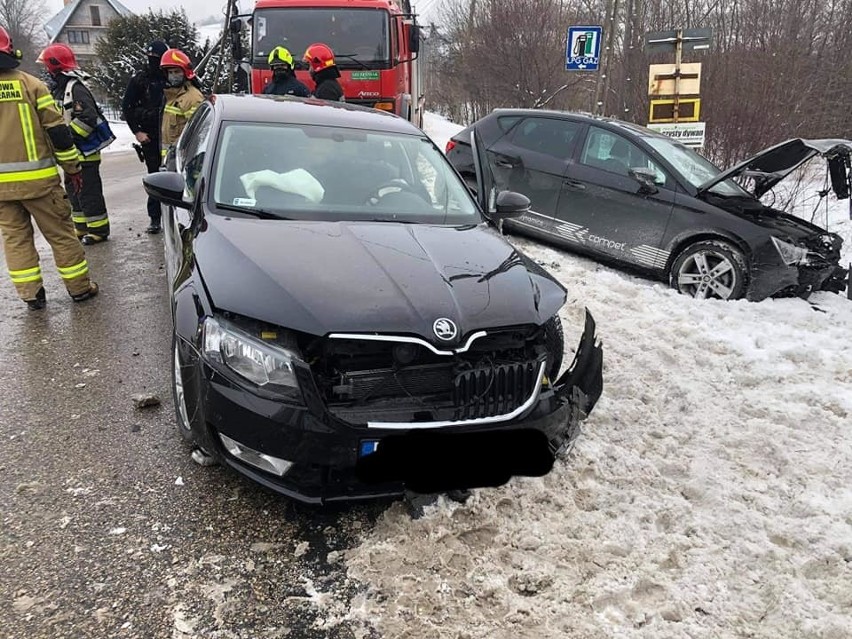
<point x="371" y="277"/>
<point x="772" y="165"/>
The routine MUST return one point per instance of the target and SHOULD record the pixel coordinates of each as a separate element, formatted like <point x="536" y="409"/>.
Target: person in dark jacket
<point x="324" y="73"/>
<point x="142" y="108"/>
<point x="91" y="134"/>
<point x="284" y="80"/>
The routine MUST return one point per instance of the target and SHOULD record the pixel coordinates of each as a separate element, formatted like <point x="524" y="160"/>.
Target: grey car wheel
<point x="710" y="269"/>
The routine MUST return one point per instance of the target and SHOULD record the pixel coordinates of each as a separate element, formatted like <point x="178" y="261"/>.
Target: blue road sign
<point x="583" y="52"/>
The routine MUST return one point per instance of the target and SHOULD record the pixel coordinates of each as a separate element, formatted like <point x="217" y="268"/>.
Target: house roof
<point x="54" y="26"/>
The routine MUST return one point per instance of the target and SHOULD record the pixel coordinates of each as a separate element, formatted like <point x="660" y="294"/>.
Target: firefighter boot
<point x="37" y="303"/>
<point x="86" y="295"/>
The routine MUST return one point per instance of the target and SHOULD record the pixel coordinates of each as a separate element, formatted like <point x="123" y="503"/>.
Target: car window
<point x="695" y="168"/>
<point x="506" y="122"/>
<point x="331" y="173"/>
<point x="611" y="152"/>
<point x="193" y="146"/>
<point x="545" y="135"/>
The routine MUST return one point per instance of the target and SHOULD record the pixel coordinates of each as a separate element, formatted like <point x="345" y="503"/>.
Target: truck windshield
<point x="359" y="37"/>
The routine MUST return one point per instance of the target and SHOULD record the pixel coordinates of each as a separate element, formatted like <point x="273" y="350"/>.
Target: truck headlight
<point x="266" y="365"/>
<point x="790" y="253"/>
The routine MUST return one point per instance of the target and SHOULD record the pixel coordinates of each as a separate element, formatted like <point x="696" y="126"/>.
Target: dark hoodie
<point x="328" y="88"/>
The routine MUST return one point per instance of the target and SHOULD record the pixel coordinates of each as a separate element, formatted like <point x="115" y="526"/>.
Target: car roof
<point x="290" y="110"/>
<point x="581" y="116"/>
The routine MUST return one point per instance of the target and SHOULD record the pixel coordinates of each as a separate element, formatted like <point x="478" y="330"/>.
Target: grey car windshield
<point x="693" y="167"/>
<point x="335" y="174"/>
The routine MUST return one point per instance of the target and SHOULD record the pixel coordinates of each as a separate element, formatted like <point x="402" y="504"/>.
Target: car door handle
<point x="506" y="164"/>
<point x="574" y="185"/>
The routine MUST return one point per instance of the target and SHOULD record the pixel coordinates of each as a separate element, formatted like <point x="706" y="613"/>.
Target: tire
<point x="710" y="269"/>
<point x="555" y="343"/>
<point x="183" y="421"/>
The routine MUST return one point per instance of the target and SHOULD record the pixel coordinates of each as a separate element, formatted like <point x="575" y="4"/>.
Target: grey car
<point x="627" y="195"/>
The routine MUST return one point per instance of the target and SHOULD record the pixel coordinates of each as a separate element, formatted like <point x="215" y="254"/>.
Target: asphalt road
<point x="108" y="528"/>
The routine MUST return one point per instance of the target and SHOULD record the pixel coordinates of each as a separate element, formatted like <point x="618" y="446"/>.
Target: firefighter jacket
<point x="288" y="85"/>
<point x="180" y="103"/>
<point x="143" y="102"/>
<point x="34" y="138"/>
<point x="328" y="88"/>
<point x="90" y="130"/>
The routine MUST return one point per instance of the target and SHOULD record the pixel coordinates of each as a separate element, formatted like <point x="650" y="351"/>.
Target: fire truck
<point x="375" y="42"/>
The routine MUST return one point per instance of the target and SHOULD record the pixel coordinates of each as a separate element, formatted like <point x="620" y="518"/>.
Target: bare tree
<point x="23" y="19"/>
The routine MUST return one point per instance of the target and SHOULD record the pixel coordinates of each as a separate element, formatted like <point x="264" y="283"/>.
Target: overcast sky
<point x="202" y="9"/>
<point x="195" y="9"/>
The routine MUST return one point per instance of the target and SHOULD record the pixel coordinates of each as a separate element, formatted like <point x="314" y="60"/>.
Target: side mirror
<point x="414" y="38"/>
<point x="510" y="204"/>
<point x="236" y="25"/>
<point x="167" y="188"/>
<point x="646" y="177"/>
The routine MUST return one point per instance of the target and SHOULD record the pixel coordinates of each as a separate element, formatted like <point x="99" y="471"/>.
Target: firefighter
<point x="34" y="139"/>
<point x="142" y="107"/>
<point x="91" y="134"/>
<point x="284" y="80"/>
<point x="181" y="95"/>
<point x="324" y="73"/>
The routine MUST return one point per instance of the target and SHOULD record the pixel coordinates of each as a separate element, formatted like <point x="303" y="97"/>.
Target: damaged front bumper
<point x="815" y="267"/>
<point x="327" y="459"/>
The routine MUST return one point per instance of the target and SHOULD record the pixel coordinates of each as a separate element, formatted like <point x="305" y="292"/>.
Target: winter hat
<point x="156" y="49"/>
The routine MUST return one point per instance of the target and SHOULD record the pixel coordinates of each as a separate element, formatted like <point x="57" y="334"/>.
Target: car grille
<point x="362" y="381"/>
<point x="493" y="391"/>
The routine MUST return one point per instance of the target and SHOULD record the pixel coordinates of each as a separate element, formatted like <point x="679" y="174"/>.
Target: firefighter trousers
<point x="89" y="208"/>
<point x="52" y="214"/>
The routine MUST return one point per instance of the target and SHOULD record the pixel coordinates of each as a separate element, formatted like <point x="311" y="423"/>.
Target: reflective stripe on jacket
<point x="181" y="103"/>
<point x="82" y="114"/>
<point x="31" y="128"/>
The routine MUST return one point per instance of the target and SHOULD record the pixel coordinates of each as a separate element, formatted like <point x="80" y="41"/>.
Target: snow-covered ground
<point x="708" y="494"/>
<point x="124" y="139"/>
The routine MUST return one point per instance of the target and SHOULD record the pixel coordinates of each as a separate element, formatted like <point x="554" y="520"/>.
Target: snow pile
<point x="124" y="138"/>
<point x="439" y="128"/>
<point x="708" y="495"/>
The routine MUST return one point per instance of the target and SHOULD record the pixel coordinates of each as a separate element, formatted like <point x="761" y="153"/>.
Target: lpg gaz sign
<point x="583" y="52"/>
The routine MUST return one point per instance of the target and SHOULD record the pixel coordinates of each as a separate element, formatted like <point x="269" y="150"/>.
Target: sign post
<point x="583" y="49"/>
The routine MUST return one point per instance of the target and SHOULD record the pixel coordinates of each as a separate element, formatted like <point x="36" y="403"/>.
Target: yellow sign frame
<point x="694" y="117"/>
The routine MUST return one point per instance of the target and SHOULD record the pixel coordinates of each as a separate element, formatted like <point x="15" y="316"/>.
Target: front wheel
<point x="710" y="269"/>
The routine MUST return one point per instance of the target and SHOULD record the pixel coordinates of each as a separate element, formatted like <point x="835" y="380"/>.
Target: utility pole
<point x="678" y="60"/>
<point x="601" y="100"/>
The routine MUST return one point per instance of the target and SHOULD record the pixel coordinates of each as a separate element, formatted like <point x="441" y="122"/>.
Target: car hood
<point x="772" y="165"/>
<point x="371" y="277"/>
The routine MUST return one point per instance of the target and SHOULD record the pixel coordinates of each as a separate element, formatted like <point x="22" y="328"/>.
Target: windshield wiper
<point x="353" y="58"/>
<point x="263" y="214"/>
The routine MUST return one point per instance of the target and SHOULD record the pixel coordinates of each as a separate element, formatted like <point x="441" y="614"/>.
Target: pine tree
<point x="121" y="52"/>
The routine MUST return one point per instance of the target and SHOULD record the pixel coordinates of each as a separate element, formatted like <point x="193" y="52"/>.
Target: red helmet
<point x="57" y="58"/>
<point x="6" y="43"/>
<point x="177" y="58"/>
<point x="319" y="56"/>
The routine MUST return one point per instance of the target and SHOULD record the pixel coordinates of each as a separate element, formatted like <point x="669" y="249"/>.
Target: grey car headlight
<point x="266" y="365"/>
<point x="790" y="253"/>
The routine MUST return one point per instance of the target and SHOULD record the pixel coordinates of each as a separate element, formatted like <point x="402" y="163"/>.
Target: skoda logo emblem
<point x="445" y="329"/>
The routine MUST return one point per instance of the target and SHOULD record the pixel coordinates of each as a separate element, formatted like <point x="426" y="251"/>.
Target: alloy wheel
<point x="180" y="399"/>
<point x="707" y="273"/>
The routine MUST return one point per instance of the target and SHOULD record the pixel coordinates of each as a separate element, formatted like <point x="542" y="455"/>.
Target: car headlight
<point x="790" y="253"/>
<point x="266" y="365"/>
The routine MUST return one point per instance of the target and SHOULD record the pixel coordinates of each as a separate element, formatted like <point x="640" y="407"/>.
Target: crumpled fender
<point x="582" y="383"/>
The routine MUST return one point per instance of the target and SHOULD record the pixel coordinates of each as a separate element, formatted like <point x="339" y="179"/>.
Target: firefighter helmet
<point x="319" y="56"/>
<point x="177" y="58"/>
<point x="6" y="43"/>
<point x="57" y="57"/>
<point x="280" y="56"/>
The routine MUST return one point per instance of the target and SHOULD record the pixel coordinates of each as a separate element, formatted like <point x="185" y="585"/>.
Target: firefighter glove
<point x="74" y="181"/>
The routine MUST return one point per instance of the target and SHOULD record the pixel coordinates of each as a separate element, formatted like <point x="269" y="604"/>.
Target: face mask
<point x="174" y="77"/>
<point x="281" y="73"/>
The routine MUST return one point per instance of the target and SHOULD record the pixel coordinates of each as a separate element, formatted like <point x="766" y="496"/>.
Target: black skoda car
<point x="347" y="321"/>
<point x="627" y="195"/>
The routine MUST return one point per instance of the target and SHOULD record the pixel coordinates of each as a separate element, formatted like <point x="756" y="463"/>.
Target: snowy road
<point x="708" y="495"/>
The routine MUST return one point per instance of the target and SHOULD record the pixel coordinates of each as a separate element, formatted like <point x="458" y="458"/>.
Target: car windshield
<point x="693" y="167"/>
<point x="359" y="33"/>
<point x="336" y="174"/>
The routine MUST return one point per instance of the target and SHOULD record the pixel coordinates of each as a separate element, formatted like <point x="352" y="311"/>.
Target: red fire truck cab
<point x="375" y="44"/>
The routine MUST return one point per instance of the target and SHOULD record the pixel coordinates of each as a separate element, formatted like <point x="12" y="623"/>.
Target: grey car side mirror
<point x="646" y="177"/>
